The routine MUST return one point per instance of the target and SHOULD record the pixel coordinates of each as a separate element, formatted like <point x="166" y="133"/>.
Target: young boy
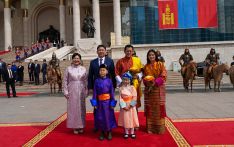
<point x="104" y="102"/>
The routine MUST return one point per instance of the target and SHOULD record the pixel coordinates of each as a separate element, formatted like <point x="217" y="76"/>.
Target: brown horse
<point x="189" y="76"/>
<point x="59" y="80"/>
<point x="216" y="74"/>
<point x="231" y="74"/>
<point x="54" y="78"/>
<point x="51" y="78"/>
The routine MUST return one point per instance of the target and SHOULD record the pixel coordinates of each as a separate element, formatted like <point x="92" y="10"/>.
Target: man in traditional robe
<point x="134" y="66"/>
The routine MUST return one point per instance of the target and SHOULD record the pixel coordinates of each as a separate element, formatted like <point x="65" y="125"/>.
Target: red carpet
<point x="207" y="133"/>
<point x="4" y="52"/>
<point x="3" y="94"/>
<point x="61" y="137"/>
<point x="17" y="136"/>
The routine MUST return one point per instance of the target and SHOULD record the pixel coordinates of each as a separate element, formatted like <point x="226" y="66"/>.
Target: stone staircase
<point x="175" y="79"/>
<point x="8" y="57"/>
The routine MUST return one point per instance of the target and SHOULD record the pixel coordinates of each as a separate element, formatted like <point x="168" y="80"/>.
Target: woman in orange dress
<point x="154" y="79"/>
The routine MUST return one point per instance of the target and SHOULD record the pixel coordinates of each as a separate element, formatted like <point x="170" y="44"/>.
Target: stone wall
<point x="171" y="52"/>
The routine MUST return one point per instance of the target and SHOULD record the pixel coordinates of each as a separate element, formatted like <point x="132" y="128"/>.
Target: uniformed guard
<point x="212" y="59"/>
<point x="184" y="60"/>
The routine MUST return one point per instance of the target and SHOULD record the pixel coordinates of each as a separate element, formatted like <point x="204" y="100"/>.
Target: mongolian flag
<point x="183" y="14"/>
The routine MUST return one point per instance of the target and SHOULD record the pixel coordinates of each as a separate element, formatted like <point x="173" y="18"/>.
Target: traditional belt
<point x="127" y="98"/>
<point x="103" y="97"/>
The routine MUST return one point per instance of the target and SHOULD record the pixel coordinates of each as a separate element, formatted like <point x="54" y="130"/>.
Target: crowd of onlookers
<point x="25" y="52"/>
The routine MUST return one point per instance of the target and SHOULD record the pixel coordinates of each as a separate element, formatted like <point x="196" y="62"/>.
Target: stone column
<point x="7" y="24"/>
<point x="25" y="26"/>
<point x="76" y="21"/>
<point x="70" y="25"/>
<point x="117" y="21"/>
<point x="96" y="16"/>
<point x="62" y="20"/>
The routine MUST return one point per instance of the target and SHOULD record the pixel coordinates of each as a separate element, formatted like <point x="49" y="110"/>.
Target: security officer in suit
<point x="44" y="71"/>
<point x="31" y="67"/>
<point x="37" y="71"/>
<point x="9" y="77"/>
<point x="20" y="73"/>
<point x="2" y="68"/>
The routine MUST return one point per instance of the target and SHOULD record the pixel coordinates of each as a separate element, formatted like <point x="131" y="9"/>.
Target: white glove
<point x="118" y="80"/>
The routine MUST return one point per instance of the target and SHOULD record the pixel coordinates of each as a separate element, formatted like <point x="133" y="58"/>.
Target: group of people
<point x="34" y="69"/>
<point x="11" y="73"/>
<point x="102" y="79"/>
<point x="25" y="52"/>
<point x="212" y="59"/>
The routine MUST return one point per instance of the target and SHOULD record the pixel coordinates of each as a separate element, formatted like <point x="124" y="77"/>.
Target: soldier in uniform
<point x="54" y="63"/>
<point x="184" y="60"/>
<point x="212" y="59"/>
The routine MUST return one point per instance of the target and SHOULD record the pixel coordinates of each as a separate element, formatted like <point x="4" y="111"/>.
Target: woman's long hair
<point x="148" y="60"/>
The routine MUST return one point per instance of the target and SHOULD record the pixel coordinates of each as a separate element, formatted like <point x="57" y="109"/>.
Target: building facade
<point x="145" y="28"/>
<point x="21" y="22"/>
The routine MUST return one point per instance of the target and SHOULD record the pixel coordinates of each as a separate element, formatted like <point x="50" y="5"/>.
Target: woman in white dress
<point x="75" y="91"/>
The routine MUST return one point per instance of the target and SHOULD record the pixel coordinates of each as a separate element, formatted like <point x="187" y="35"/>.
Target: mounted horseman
<point x="54" y="65"/>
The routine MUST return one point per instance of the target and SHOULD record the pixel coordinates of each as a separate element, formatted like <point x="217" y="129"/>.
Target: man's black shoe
<point x="15" y="96"/>
<point x="9" y="96"/>
<point x="95" y="130"/>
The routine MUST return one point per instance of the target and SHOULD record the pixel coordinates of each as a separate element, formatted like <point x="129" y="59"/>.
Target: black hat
<point x="103" y="66"/>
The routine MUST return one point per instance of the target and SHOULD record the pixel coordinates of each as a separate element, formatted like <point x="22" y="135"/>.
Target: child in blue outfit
<point x="104" y="102"/>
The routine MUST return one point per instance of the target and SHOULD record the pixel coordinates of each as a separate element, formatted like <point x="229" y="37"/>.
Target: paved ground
<point x="180" y="104"/>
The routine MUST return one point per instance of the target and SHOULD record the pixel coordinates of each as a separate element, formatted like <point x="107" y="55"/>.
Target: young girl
<point x="128" y="114"/>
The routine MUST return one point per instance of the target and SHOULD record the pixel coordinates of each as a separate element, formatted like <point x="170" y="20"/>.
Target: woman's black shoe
<point x="133" y="136"/>
<point x="125" y="136"/>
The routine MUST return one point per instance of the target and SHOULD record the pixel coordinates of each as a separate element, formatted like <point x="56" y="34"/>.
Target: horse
<point x="189" y="75"/>
<point x="216" y="74"/>
<point x="54" y="77"/>
<point x="59" y="81"/>
<point x="231" y="74"/>
<point x="51" y="78"/>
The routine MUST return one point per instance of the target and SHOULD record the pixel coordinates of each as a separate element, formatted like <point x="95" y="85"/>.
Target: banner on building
<point x="183" y="14"/>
